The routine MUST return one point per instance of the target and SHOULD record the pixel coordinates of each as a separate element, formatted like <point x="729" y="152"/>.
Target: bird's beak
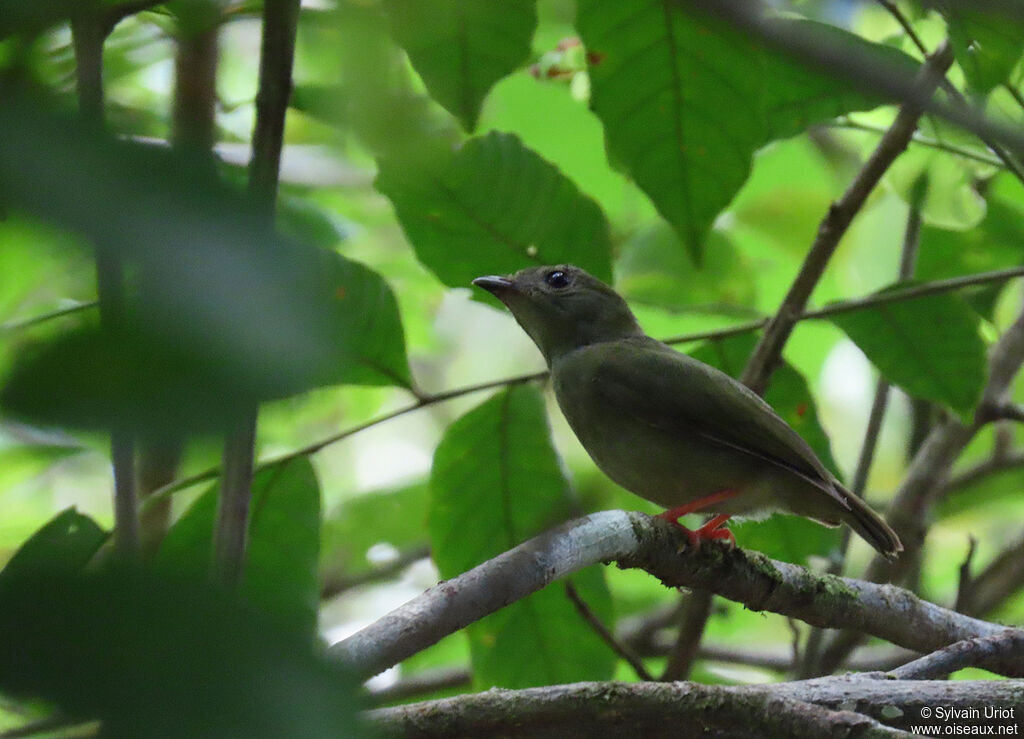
<point x="495" y="285"/>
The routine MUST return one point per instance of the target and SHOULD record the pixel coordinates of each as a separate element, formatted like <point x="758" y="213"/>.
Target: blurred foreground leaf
<point x="495" y="207"/>
<point x="64" y="545"/>
<point x="462" y="47"/>
<point x="930" y="347"/>
<point x="158" y="657"/>
<point x="227" y="309"/>
<point x="686" y="100"/>
<point x="496" y="482"/>
<point x="283" y="548"/>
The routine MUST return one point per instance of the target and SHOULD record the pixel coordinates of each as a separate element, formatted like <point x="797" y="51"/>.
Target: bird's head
<point x="562" y="307"/>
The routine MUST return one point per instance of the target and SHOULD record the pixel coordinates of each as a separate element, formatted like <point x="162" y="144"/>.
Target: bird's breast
<point x="669" y="466"/>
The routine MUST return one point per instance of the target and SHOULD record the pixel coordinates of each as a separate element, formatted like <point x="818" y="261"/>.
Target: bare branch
<point x="696" y="611"/>
<point x="638" y="540"/>
<point x="997" y="583"/>
<point x="606" y="636"/>
<point x="1006" y="647"/>
<point x="683" y="709"/>
<point x="768" y="353"/>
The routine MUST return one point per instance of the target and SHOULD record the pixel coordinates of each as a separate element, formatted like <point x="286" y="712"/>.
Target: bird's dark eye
<point x="557" y="279"/>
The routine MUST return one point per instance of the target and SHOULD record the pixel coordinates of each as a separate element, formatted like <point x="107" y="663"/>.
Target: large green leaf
<point x="495" y="207"/>
<point x="929" y="346"/>
<point x="65" y="544"/>
<point x="284" y="542"/>
<point x="160" y="657"/>
<point x="996" y="243"/>
<point x="686" y="100"/>
<point x="462" y="47"/>
<point x="986" y="42"/>
<point x="496" y="482"/>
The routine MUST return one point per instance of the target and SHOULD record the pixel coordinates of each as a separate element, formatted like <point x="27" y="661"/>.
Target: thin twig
<point x="917" y="138"/>
<point x="1005" y="157"/>
<point x="768" y="352"/>
<point x="602" y="631"/>
<point x="965" y="582"/>
<point x="969" y="477"/>
<point x="905" y="25"/>
<point x="966" y="653"/>
<point x="24" y="323"/>
<point x="332" y="587"/>
<point x="998" y="582"/>
<point x="697" y="607"/>
<point x="848" y="306"/>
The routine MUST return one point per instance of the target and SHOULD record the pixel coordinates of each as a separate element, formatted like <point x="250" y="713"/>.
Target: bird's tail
<point x="870" y="526"/>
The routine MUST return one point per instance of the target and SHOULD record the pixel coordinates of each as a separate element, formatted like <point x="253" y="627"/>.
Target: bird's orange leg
<point x="713" y="529"/>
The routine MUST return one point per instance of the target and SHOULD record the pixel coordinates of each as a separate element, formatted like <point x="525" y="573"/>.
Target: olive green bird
<point x="665" y="426"/>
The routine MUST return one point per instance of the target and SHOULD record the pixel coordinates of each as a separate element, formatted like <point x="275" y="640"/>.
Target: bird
<point x="666" y="426"/>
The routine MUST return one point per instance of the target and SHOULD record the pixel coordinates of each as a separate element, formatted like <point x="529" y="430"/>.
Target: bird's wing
<point x="678" y="392"/>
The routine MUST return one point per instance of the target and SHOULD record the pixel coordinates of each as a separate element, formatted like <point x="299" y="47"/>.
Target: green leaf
<point x="394" y="517"/>
<point x="462" y="47"/>
<point x="788" y="393"/>
<point x="929" y="346"/>
<point x="654" y="269"/>
<point x="495" y="207"/>
<point x="284" y="543"/>
<point x="986" y="43"/>
<point x="159" y="657"/>
<point x="787" y="538"/>
<point x="996" y="243"/>
<point x="65" y="544"/>
<point x="496" y="482"/>
<point x="686" y="100"/>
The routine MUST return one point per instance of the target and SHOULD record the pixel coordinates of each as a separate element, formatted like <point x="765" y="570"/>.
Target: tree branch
<point x="997" y="583"/>
<point x="88" y="36"/>
<point x="638" y="540"/>
<point x="768" y="352"/>
<point x="1008" y="646"/>
<point x="797" y="709"/>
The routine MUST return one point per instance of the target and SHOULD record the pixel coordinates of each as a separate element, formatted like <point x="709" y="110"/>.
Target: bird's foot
<point x="713" y="530"/>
